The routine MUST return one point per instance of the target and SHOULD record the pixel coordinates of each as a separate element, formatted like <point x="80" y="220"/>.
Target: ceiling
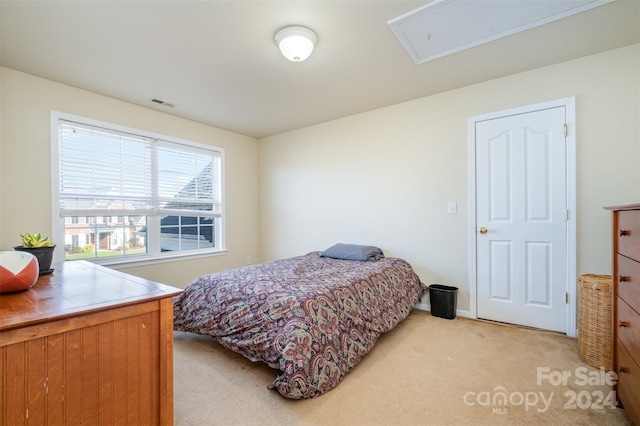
<point x="218" y="63"/>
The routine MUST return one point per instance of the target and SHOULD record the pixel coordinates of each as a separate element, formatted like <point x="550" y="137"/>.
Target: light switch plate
<point x="452" y="207"/>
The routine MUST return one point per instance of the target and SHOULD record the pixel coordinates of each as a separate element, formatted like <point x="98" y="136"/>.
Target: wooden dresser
<point x="87" y="345"/>
<point x="626" y="306"/>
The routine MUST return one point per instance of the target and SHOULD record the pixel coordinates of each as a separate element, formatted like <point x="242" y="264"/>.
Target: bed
<point x="312" y="317"/>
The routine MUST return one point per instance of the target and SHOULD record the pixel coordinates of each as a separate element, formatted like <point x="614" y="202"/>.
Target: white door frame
<point x="569" y="104"/>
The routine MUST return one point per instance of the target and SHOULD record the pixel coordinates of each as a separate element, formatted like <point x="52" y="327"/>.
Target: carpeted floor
<point x="427" y="371"/>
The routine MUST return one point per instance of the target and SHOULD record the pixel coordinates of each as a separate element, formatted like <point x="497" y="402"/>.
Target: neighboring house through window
<point x="123" y="195"/>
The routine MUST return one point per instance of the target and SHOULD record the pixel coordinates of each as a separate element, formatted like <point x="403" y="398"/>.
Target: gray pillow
<point x="353" y="252"/>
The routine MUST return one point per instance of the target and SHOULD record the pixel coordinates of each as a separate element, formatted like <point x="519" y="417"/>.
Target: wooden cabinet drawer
<point x="628" y="281"/>
<point x="628" y="327"/>
<point x="626" y="300"/>
<point x="628" y="233"/>
<point x="87" y="345"/>
<point x="628" y="389"/>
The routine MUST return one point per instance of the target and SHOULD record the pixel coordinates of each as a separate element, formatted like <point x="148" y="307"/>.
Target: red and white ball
<point x="18" y="271"/>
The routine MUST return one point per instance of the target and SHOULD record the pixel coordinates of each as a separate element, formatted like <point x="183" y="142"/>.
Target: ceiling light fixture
<point x="296" y="43"/>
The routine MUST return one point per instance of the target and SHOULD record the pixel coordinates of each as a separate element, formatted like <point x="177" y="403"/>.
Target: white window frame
<point x="154" y="254"/>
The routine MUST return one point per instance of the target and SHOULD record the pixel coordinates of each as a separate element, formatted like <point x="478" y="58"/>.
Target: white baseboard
<point x="426" y="307"/>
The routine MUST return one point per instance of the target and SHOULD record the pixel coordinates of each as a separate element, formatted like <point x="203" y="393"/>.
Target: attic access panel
<point x="443" y="27"/>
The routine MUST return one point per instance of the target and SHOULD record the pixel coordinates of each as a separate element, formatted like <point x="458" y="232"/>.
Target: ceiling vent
<point x="161" y="102"/>
<point x="443" y="27"/>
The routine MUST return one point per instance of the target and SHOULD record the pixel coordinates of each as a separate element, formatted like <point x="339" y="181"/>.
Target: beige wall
<point x="384" y="177"/>
<point x="1" y="197"/>
<point x="25" y="173"/>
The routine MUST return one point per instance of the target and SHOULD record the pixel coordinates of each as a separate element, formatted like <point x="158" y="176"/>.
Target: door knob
<point x="483" y="230"/>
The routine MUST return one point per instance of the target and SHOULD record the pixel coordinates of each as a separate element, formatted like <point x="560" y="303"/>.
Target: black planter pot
<point x="43" y="254"/>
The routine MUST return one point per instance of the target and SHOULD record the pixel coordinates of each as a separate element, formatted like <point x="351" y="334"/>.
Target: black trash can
<point x="443" y="300"/>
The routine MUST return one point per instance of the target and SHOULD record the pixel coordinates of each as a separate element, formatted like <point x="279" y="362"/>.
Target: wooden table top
<point x="635" y="206"/>
<point x="77" y="287"/>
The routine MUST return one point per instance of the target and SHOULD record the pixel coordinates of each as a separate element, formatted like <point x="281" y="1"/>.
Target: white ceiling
<point x="218" y="63"/>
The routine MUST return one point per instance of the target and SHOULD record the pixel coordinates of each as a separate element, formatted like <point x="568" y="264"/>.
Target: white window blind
<point x="124" y="195"/>
<point x="104" y="172"/>
<point x="186" y="181"/>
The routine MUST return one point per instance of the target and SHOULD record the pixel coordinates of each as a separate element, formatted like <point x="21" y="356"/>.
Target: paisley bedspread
<point x="312" y="317"/>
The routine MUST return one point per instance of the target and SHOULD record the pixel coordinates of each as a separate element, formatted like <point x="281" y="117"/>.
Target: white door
<point x="521" y="219"/>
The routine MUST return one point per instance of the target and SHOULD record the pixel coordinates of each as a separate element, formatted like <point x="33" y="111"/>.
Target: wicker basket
<point x="595" y="332"/>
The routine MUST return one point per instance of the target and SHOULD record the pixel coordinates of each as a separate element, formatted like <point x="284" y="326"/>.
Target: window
<point x="123" y="195"/>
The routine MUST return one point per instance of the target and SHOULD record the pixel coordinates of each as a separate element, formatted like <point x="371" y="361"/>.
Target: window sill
<point x="132" y="263"/>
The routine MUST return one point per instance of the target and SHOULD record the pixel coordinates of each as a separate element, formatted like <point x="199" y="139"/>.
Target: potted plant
<point x="41" y="247"/>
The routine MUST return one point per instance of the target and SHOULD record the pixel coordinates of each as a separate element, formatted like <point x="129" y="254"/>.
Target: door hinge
<point x="566" y="130"/>
<point x="566" y="215"/>
<point x="566" y="298"/>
